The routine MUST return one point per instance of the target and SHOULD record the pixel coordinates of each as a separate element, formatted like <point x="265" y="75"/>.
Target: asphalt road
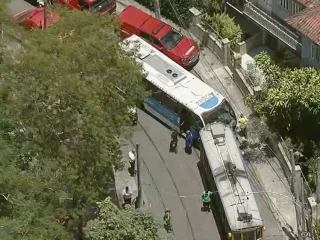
<point x="167" y="176"/>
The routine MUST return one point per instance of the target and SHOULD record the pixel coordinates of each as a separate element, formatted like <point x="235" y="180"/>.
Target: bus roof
<point x="230" y="176"/>
<point x="173" y="79"/>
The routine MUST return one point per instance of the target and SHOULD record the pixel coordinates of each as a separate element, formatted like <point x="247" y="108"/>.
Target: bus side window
<point x="150" y="87"/>
<point x="259" y="233"/>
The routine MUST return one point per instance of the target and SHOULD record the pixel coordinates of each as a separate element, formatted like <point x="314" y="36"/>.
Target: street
<point x="167" y="176"/>
<point x="173" y="180"/>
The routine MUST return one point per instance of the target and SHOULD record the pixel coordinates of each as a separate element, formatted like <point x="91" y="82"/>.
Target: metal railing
<point x="271" y="25"/>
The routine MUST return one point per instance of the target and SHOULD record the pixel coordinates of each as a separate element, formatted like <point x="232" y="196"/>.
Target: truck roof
<point x="140" y="17"/>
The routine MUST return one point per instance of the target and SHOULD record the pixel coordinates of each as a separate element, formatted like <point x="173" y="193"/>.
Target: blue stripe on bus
<point x="210" y="103"/>
<point x="163" y="110"/>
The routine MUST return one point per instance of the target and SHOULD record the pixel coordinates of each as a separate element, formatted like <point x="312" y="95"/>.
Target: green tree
<point x="224" y="26"/>
<point x="116" y="224"/>
<point x="290" y="103"/>
<point x="64" y="104"/>
<point x="292" y="100"/>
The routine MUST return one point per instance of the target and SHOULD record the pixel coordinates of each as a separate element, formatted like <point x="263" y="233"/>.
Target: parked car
<point x="35" y="18"/>
<point x="162" y="36"/>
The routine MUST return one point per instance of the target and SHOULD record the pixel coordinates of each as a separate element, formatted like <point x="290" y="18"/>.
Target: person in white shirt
<point x="132" y="161"/>
<point x="127" y="195"/>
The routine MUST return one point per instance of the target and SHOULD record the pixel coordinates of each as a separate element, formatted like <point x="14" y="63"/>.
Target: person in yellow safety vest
<point x="167" y="220"/>
<point x="243" y="125"/>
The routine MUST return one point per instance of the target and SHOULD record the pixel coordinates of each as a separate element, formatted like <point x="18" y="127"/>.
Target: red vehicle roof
<point x="35" y="18"/>
<point x="134" y="16"/>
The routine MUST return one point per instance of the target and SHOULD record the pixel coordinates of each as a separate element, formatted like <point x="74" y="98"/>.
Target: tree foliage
<point x="292" y="98"/>
<point x="291" y="104"/>
<point x="129" y="224"/>
<point x="224" y="26"/>
<point x="62" y="111"/>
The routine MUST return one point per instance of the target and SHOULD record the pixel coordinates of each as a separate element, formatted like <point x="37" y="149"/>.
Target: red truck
<point x="162" y="36"/>
<point x="35" y="18"/>
<point x="101" y="6"/>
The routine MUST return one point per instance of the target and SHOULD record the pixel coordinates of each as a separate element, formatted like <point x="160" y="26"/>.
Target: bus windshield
<point x="224" y="114"/>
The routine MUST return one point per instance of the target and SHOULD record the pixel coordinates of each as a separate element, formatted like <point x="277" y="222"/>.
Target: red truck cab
<point x="101" y="6"/>
<point x="160" y="35"/>
<point x="35" y="18"/>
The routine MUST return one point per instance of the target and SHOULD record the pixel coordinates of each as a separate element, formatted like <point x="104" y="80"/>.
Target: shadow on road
<point x="205" y="182"/>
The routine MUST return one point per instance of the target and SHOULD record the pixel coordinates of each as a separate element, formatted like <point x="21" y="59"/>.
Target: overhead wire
<point x="226" y="92"/>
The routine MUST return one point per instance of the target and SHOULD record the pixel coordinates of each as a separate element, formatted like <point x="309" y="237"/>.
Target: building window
<point x="284" y="4"/>
<point x="315" y="52"/>
<point x="296" y="7"/>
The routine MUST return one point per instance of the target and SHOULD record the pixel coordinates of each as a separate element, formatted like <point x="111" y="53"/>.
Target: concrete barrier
<point x="222" y="49"/>
<point x="249" y="44"/>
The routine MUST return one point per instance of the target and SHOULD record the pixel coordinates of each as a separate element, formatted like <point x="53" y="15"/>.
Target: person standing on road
<point x="167" y="220"/>
<point x="174" y="142"/>
<point x="127" y="195"/>
<point x="189" y="140"/>
<point x="206" y="199"/>
<point x="243" y="122"/>
<point x="132" y="161"/>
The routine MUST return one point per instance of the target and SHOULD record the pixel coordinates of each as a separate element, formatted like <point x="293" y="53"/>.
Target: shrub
<point x="224" y="26"/>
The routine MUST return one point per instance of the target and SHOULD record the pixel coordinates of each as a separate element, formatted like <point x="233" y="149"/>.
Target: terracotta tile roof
<point x="308" y="3"/>
<point x="307" y="22"/>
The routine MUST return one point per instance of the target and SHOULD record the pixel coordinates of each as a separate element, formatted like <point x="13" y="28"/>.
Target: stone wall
<point x="221" y="48"/>
<point x="249" y="44"/>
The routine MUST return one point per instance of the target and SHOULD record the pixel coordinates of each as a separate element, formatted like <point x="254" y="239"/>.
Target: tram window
<point x="259" y="233"/>
<point x="249" y="235"/>
<point x="237" y="236"/>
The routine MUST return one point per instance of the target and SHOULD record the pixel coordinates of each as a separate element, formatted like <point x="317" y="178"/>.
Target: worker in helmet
<point x="243" y="121"/>
<point x="167" y="220"/>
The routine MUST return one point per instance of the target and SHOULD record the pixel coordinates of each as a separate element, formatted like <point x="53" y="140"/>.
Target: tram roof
<point x="173" y="79"/>
<point x="232" y="181"/>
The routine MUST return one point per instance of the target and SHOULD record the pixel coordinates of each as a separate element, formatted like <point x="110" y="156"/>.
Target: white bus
<point x="178" y="98"/>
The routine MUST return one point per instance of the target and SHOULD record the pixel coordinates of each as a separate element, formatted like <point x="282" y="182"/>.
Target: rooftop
<point x="308" y="3"/>
<point x="307" y="22"/>
<point x="229" y="173"/>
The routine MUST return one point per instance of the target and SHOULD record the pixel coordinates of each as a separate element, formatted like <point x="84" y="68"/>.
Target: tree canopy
<point x="129" y="224"/>
<point x="290" y="102"/>
<point x="64" y="103"/>
<point x="215" y="19"/>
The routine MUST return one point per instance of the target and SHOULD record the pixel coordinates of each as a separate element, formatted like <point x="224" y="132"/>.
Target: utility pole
<point x="294" y="189"/>
<point x="303" y="220"/>
<point x="139" y="202"/>
<point x="318" y="182"/>
<point x="157" y="9"/>
<point x="318" y="188"/>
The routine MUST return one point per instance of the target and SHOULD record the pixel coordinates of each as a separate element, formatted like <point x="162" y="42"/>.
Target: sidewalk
<point x="123" y="178"/>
